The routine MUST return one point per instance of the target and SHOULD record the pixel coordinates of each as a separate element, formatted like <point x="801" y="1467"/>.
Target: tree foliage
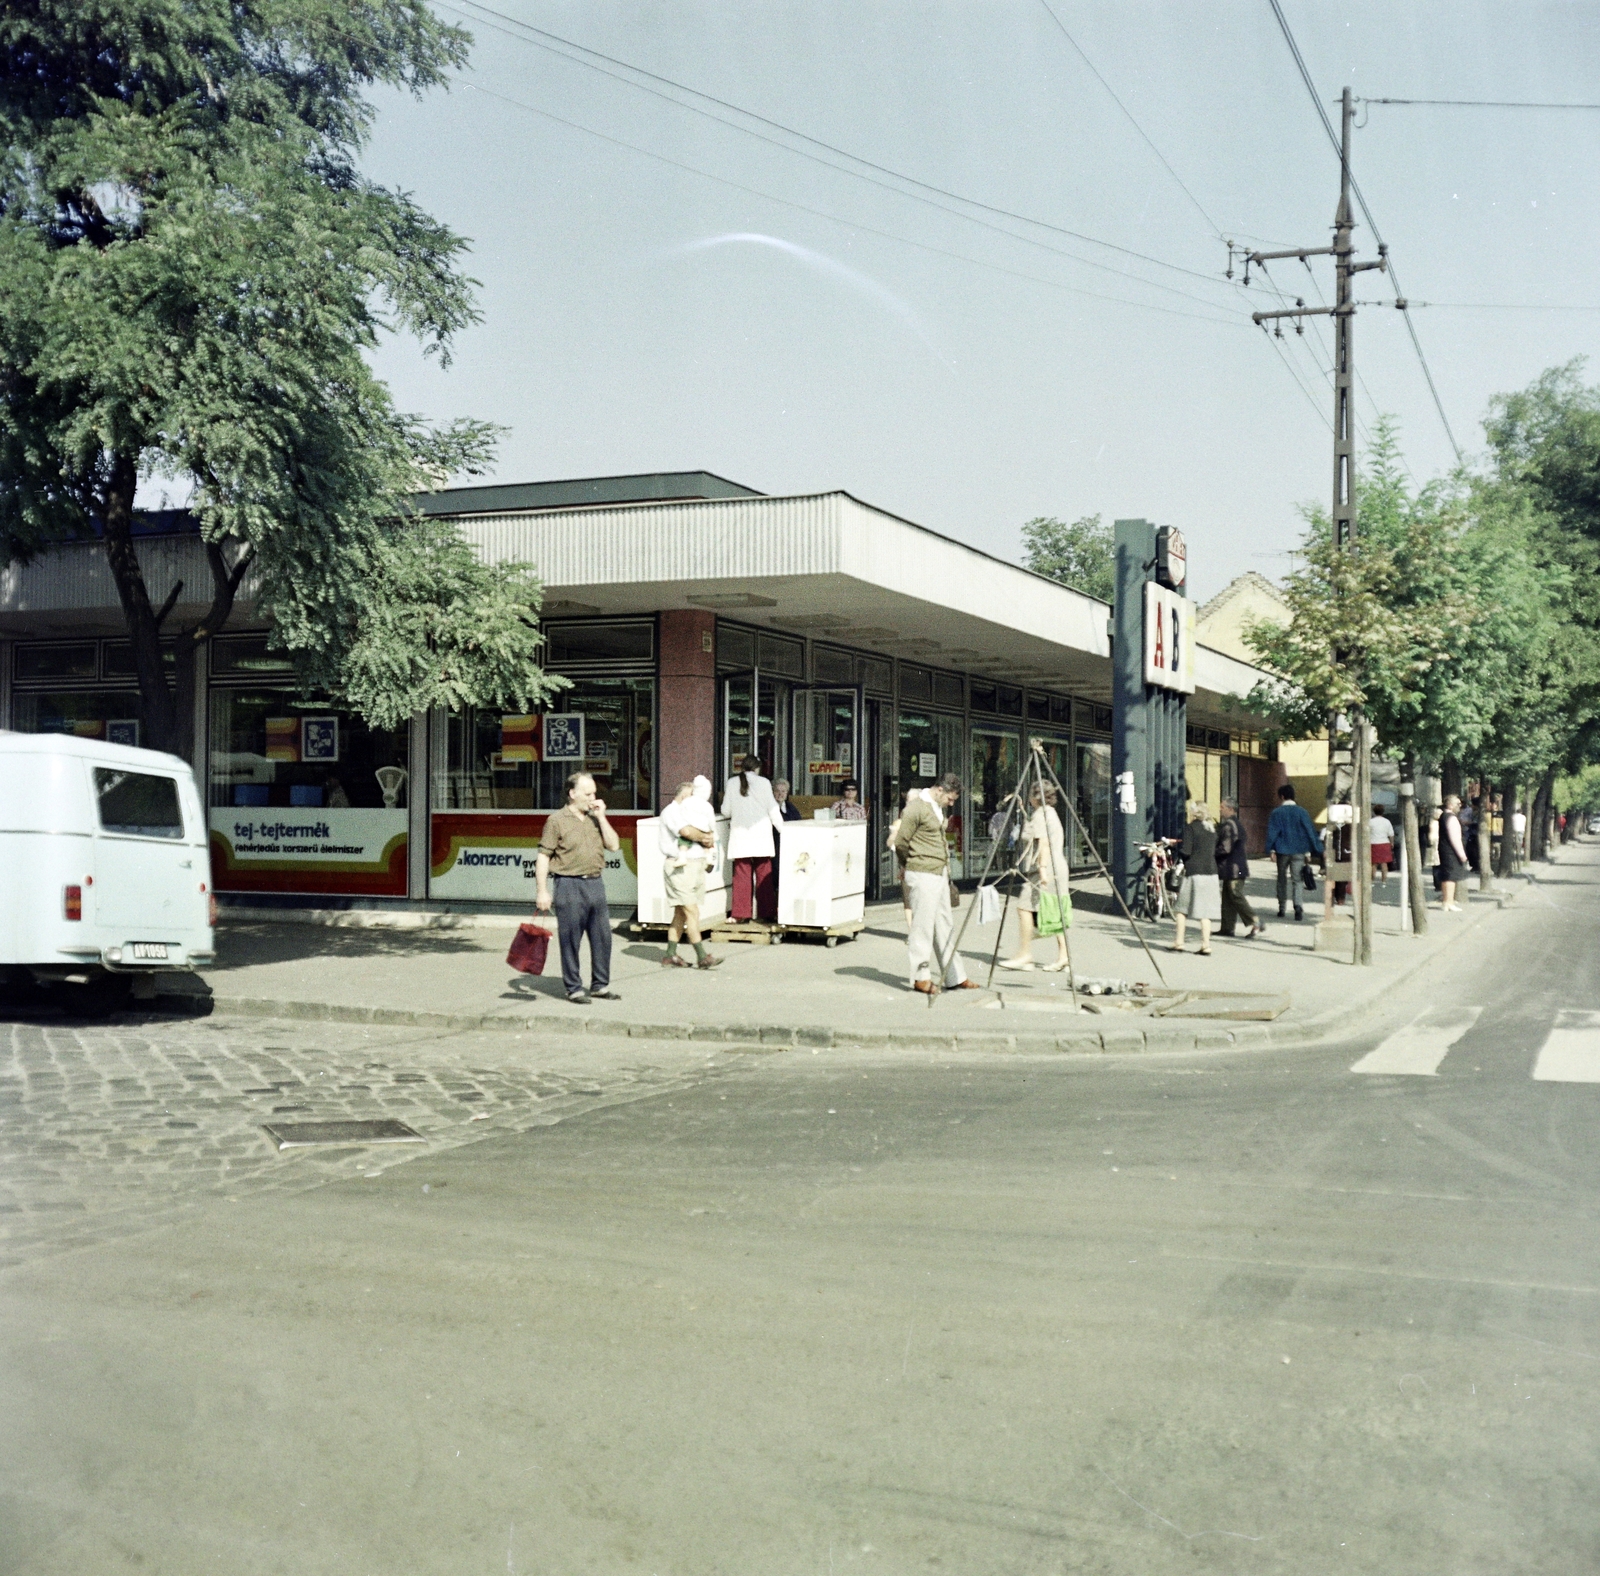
<point x="1079" y="554"/>
<point x="192" y="272"/>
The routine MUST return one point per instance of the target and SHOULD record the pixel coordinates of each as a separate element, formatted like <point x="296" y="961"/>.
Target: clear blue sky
<point x="638" y="316"/>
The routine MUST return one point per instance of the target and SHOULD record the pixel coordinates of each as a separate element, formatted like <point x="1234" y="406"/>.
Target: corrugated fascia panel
<point x="714" y="539"/>
<point x="77" y="575"/>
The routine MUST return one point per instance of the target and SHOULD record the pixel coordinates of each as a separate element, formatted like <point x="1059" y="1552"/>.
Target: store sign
<point x="563" y="736"/>
<point x="829" y="768"/>
<point x="1168" y="639"/>
<point x="490" y="857"/>
<point x="257" y="848"/>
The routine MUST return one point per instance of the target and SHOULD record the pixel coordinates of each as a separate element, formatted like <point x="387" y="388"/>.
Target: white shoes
<point x="1017" y="963"/>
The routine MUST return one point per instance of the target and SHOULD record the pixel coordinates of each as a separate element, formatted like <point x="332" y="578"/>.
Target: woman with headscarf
<point x="1042" y="861"/>
<point x="1201" y="894"/>
<point x="753" y="814"/>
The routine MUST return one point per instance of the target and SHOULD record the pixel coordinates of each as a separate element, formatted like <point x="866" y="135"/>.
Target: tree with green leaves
<point x="193" y="270"/>
<point x="1079" y="555"/>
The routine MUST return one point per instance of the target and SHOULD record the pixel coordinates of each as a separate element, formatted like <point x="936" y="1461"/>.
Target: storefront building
<point x="696" y="622"/>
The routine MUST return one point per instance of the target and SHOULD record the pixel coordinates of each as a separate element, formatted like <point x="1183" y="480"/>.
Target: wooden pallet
<point x="829" y="934"/>
<point x="756" y="932"/>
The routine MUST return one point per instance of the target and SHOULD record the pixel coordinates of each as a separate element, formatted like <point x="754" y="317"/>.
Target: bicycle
<point x="1158" y="881"/>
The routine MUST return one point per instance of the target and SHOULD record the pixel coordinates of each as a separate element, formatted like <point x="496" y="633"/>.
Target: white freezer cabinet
<point x="654" y="909"/>
<point x="822" y="873"/>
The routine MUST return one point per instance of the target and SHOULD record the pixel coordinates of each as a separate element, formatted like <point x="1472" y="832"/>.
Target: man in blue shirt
<point x="1291" y="836"/>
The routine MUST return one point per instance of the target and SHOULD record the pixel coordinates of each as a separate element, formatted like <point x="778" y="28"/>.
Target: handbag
<point x="529" y="948"/>
<point x="1054" y="914"/>
<point x="1307" y="879"/>
<point x="955" y="896"/>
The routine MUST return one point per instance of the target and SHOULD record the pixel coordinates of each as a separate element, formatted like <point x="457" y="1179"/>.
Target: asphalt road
<point x="811" y="1313"/>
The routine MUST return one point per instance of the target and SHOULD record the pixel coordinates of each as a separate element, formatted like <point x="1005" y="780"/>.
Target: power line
<point x="849" y="224"/>
<point x="555" y="39"/>
<point x="1327" y="126"/>
<point x="1501" y="306"/>
<point x="1478" y="103"/>
<point x="1216" y="229"/>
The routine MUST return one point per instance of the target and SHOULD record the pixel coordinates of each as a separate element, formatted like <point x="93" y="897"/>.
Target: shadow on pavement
<point x="241" y="946"/>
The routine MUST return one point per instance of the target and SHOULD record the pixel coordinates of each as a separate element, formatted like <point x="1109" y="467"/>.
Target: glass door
<point x="755" y="721"/>
<point x="827" y="732"/>
<point x="1091" y="790"/>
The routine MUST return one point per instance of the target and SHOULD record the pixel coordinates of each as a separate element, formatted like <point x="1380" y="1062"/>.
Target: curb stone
<point x="1122" y="1039"/>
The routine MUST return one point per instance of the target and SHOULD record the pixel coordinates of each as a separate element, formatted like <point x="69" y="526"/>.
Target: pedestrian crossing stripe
<point x="1571" y="1051"/>
<point x="1418" y="1048"/>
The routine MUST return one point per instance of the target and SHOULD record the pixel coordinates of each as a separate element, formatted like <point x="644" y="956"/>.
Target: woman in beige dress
<point x="1042" y="861"/>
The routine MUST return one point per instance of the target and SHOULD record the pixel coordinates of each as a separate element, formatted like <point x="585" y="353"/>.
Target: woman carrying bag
<point x="1201" y="894"/>
<point x="1043" y="904"/>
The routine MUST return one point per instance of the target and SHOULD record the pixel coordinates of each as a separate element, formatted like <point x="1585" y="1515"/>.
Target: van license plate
<point x="155" y="950"/>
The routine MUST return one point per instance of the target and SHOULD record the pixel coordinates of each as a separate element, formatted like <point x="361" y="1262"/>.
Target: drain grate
<point x="298" y="1135"/>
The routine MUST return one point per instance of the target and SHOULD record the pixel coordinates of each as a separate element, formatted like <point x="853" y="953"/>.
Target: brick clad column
<point x="686" y="730"/>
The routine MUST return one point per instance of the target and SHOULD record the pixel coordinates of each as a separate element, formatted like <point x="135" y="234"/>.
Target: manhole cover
<point x="297" y="1135"/>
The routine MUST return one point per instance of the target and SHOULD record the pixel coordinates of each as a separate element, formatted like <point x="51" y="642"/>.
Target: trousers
<point x="1236" y="907"/>
<point x="580" y="906"/>
<point x="755" y="890"/>
<point x="1289" y="868"/>
<point x="933" y="928"/>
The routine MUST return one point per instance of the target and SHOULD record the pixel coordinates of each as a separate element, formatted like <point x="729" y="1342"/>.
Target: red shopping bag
<point x="529" y="948"/>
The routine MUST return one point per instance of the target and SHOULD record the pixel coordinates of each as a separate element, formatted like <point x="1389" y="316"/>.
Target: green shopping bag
<point x="1055" y="914"/>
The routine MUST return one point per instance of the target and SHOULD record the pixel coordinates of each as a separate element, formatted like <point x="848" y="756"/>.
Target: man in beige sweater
<point x="920" y="844"/>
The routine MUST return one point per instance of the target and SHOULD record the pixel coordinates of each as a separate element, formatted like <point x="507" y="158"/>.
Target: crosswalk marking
<point x="1571" y="1051"/>
<point x="1422" y="1044"/>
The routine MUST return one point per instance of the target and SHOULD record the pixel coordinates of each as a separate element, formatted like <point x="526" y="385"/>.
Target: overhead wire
<point x="569" y="50"/>
<point x="1333" y="137"/>
<point x="1478" y="103"/>
<point x="849" y="224"/>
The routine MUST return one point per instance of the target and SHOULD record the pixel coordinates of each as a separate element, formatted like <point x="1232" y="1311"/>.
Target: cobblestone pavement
<point x="113" y="1127"/>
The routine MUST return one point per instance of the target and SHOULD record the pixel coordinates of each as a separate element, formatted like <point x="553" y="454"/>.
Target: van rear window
<point x="138" y="805"/>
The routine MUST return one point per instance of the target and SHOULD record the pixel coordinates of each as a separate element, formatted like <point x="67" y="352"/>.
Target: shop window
<point x="42" y="664"/>
<point x="915" y="683"/>
<point x="777" y="655"/>
<point x="244" y="656"/>
<point x="1091" y="793"/>
<point x="1061" y="711"/>
<point x="1098" y="719"/>
<point x="736" y="648"/>
<point x="829" y="666"/>
<point x="109" y="715"/>
<point x="947" y="691"/>
<point x="875" y="673"/>
<point x="1008" y="700"/>
<point x="490" y="761"/>
<point x="930" y="746"/>
<point x="272" y="749"/>
<point x="983" y="696"/>
<point x="996" y="764"/>
<point x="1038" y="707"/>
<point x="116" y="659"/>
<point x="633" y="641"/>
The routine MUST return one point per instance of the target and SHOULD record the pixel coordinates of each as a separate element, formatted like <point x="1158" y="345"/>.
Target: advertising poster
<point x="258" y="848"/>
<point x="489" y="857"/>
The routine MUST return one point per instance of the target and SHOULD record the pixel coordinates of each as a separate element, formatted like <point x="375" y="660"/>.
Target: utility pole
<point x="1356" y="777"/>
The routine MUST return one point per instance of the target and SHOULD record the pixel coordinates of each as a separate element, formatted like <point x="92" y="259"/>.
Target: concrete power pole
<point x="1349" y="769"/>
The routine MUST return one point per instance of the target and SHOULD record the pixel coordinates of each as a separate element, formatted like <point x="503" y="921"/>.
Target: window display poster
<point x="122" y="730"/>
<point x="490" y="857"/>
<point x="563" y="736"/>
<point x="283" y="738"/>
<point x="265" y="848"/>
<point x="319" y="738"/>
<point x="927" y="765"/>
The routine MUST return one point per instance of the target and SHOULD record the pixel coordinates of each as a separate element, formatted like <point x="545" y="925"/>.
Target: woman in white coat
<point x="753" y="812"/>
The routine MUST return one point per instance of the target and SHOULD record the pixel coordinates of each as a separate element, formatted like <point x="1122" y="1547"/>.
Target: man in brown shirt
<point x="573" y="852"/>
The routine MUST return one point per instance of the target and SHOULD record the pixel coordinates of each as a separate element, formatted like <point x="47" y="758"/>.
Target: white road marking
<point x="1571" y="1051"/>
<point x="1422" y="1044"/>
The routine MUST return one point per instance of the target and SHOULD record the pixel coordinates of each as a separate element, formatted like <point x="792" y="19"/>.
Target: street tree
<point x="1079" y="554"/>
<point x="193" y="270"/>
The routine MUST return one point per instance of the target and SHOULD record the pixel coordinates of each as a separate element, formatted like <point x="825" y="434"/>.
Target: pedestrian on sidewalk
<point x="1292" y="837"/>
<point x="1042" y="862"/>
<point x="894" y="832"/>
<point x="1200" y="896"/>
<point x="1233" y="871"/>
<point x="753" y="814"/>
<point x="573" y="852"/>
<point x="1380" y="833"/>
<point x="920" y="843"/>
<point x="1453" y="866"/>
<point x="688" y="837"/>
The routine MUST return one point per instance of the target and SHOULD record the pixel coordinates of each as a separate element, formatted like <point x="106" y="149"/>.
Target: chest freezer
<point x="654" y="909"/>
<point x="822" y="872"/>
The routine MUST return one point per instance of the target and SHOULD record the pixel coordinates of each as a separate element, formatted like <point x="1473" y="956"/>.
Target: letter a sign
<point x="1168" y="639"/>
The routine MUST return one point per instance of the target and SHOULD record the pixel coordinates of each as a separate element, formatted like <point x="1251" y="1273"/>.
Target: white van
<point x="105" y="868"/>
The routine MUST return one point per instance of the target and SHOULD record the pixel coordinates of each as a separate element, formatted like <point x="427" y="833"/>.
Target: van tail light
<point x="72" y="902"/>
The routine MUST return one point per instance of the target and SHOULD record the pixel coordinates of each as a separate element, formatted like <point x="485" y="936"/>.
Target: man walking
<point x="1233" y="866"/>
<point x="688" y="837"/>
<point x="920" y="845"/>
<point x="1291" y="836"/>
<point x="573" y="851"/>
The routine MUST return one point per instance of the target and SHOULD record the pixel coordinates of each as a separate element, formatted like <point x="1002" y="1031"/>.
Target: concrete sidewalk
<point x="803" y="994"/>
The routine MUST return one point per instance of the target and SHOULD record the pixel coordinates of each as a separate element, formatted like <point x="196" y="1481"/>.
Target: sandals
<point x="1018" y="963"/>
<point x="1054" y="968"/>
